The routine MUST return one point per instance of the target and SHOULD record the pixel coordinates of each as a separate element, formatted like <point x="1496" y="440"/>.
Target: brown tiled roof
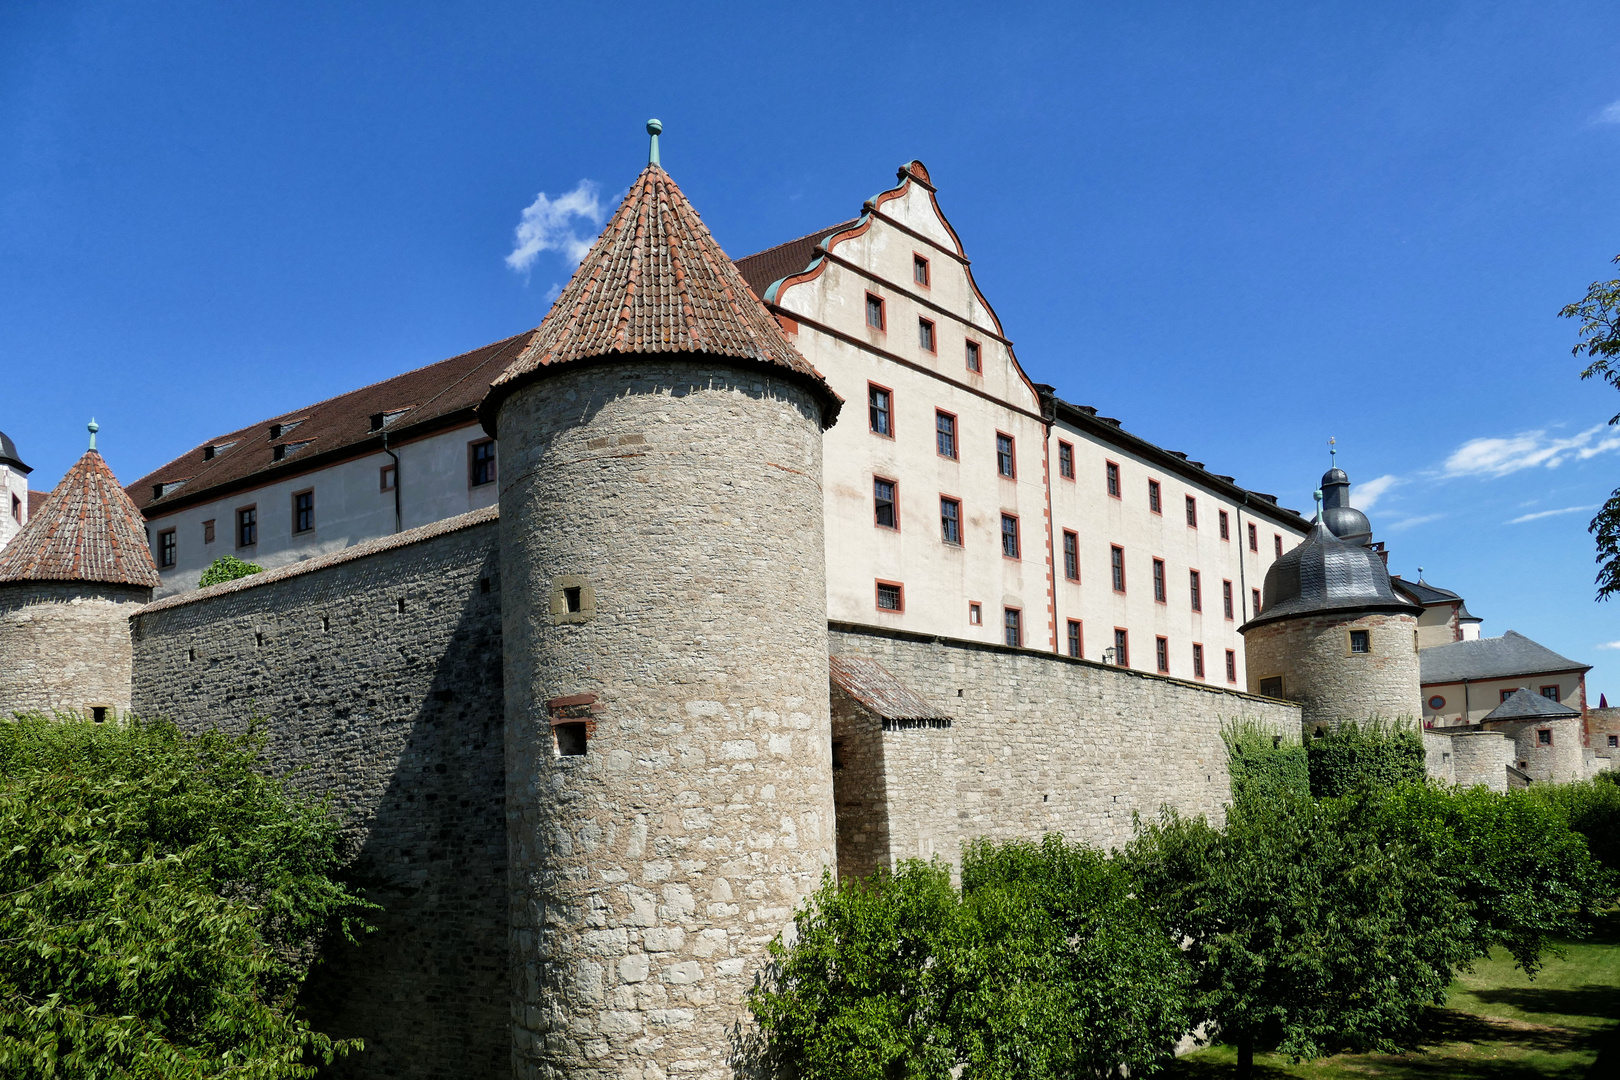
<point x="874" y="686"/>
<point x="36" y="499"/>
<point x="656" y="281"/>
<point x="87" y="530"/>
<point x="765" y="268"/>
<point x="434" y="397"/>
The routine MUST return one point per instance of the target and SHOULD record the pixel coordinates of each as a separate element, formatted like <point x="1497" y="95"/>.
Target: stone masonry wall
<point x="1467" y="758"/>
<point x="1559" y="762"/>
<point x="1038" y="743"/>
<point x="1312" y="654"/>
<point x="65" y="645"/>
<point x="378" y="669"/>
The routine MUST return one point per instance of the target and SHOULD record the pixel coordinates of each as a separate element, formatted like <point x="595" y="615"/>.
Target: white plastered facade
<point x="13" y="502"/>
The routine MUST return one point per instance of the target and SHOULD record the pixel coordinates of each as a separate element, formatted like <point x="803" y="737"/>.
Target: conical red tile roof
<point x="656" y="281"/>
<point x="87" y="530"/>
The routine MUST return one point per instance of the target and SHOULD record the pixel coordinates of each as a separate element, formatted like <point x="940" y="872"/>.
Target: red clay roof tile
<point x="87" y="530"/>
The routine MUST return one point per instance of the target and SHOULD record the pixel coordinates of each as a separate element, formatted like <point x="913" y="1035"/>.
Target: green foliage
<point x="1592" y="809"/>
<point x="1371" y="754"/>
<point x="1043" y="966"/>
<point x="227" y="568"/>
<point x="1262" y="763"/>
<point x="158" y="894"/>
<point x="1599" y="315"/>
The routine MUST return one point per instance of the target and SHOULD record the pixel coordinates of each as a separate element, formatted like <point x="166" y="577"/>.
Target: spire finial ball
<point x="655" y="127"/>
<point x="92" y="427"/>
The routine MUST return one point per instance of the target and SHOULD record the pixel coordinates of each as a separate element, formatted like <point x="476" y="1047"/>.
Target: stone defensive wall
<point x="1035" y="743"/>
<point x="378" y="672"/>
<point x="64" y="645"/>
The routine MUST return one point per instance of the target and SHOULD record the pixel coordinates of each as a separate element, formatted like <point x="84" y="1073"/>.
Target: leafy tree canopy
<point x="158" y="894"/>
<point x="227" y="568"/>
<point x="1042" y="966"/>
<point x="1599" y="340"/>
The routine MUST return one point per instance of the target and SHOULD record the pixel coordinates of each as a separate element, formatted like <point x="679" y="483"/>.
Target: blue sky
<point x="1241" y="228"/>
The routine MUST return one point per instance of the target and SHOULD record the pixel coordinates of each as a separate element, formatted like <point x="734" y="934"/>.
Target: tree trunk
<point x="1245" y="1064"/>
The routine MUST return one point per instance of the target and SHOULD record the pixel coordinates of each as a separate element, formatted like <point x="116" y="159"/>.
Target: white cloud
<point x="1550" y="513"/>
<point x="1608" y="645"/>
<point x="1610" y="113"/>
<point x="548" y="225"/>
<point x="1365" y="494"/>
<point x="1527" y="450"/>
<point x="1397" y="526"/>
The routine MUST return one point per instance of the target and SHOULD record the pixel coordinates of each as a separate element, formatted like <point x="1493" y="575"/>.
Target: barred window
<point x="890" y="596"/>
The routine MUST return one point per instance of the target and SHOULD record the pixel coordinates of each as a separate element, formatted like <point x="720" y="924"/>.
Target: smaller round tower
<point x="68" y="582"/>
<point x="1332" y="634"/>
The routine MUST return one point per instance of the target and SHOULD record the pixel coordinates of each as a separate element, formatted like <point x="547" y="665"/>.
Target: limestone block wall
<point x="1603" y="733"/>
<point x="1467" y="758"/>
<point x="1037" y="743"/>
<point x="378" y="669"/>
<point x="65" y="645"/>
<point x="665" y="609"/>
<point x="1312" y="655"/>
<point x="1559" y="761"/>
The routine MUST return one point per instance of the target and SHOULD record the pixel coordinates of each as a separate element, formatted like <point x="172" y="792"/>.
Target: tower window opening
<point x="1359" y="641"/>
<point x="1544" y="737"/>
<point x="98" y="713"/>
<point x="571" y="739"/>
<point x="402" y="605"/>
<point x="571" y="598"/>
<point x="1272" y="687"/>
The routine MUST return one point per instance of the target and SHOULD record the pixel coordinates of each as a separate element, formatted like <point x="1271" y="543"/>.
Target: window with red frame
<point x="885" y="505"/>
<point x="945" y="434"/>
<point x="1013" y="624"/>
<point x="1254" y="539"/>
<point x="1158" y="581"/>
<point x="1231" y="666"/>
<point x="1071" y="555"/>
<point x="1192" y="512"/>
<point x="1116" y="557"/>
<point x="1161" y="654"/>
<point x="891" y="596"/>
<point x="1255" y="596"/>
<point x="1278" y="538"/>
<point x="925" y="335"/>
<point x="1226" y="599"/>
<point x="1009" y="536"/>
<point x="1155" y="498"/>
<point x="1195" y="584"/>
<point x="1198" y="661"/>
<point x="1065" y="461"/>
<point x="973" y="357"/>
<point x="1226" y="526"/>
<point x="1111" y="476"/>
<point x="874" y="312"/>
<point x="1122" y="647"/>
<point x="880" y="410"/>
<point x="919" y="270"/>
<point x="1006" y="462"/>
<point x="950" y="520"/>
<point x="1076" y="638"/>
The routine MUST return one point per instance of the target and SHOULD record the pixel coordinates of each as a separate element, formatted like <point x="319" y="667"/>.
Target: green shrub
<point x="1591" y="808"/>
<point x="1261" y="762"/>
<point x="227" y="568"/>
<point x="156" y="894"/>
<point x="1372" y="754"/>
<point x="1043" y="966"/>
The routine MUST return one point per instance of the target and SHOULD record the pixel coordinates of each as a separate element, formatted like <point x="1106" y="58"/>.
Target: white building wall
<point x="350" y="506"/>
<point x="1443" y="703"/>
<point x="13" y="503"/>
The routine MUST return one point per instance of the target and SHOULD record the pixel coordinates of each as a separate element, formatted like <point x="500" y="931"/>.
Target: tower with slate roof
<point x="1332" y="633"/>
<point x="68" y="581"/>
<point x="669" y="776"/>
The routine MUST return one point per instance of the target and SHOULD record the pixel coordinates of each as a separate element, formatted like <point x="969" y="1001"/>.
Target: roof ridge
<point x="812" y="234"/>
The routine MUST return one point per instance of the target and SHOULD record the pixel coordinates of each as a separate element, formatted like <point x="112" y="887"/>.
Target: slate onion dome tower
<point x="1332" y="634"/>
<point x="68" y="583"/>
<point x="668" y="747"/>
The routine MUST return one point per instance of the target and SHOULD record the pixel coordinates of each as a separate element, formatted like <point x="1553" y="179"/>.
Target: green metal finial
<point x="1318" y="504"/>
<point x="93" y="427"/>
<point x="653" y="128"/>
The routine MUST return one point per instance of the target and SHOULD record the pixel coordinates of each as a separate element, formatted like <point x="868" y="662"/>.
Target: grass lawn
<point x="1496" y="1025"/>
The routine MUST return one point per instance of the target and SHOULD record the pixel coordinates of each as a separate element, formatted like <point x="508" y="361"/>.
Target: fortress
<point x="595" y="739"/>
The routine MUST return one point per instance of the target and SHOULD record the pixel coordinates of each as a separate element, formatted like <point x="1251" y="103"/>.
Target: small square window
<point x="950" y="520"/>
<point x="1065" y="461"/>
<point x="1192" y="512"/>
<point x="1009" y="536"/>
<point x="1013" y="624"/>
<point x="166" y="548"/>
<point x="1360" y="641"/>
<point x="945" y="434"/>
<point x="1614" y="740"/>
<point x="874" y="311"/>
<point x="1272" y="687"/>
<point x="886" y="514"/>
<point x="1111" y="475"/>
<point x="1226" y="526"/>
<point x="890" y="596"/>
<point x="483" y="463"/>
<point x="1161" y="654"/>
<point x="1544" y="737"/>
<point x="1006" y="462"/>
<point x="1076" y="639"/>
<point x="975" y="614"/>
<point x="1550" y="692"/>
<point x="572" y="739"/>
<point x="1198" y="661"/>
<point x="1154" y="497"/>
<point x="1159" y="594"/>
<point x="925" y="335"/>
<point x="208" y="531"/>
<point x="880" y="410"/>
<point x="385" y="478"/>
<point x="919" y="270"/>
<point x="1071" y="555"/>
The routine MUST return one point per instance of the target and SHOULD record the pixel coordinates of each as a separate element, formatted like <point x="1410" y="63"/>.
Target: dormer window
<point x="919" y="270"/>
<point x="380" y="420"/>
<point x="212" y="450"/>
<point x="275" y="431"/>
<point x="278" y="430"/>
<point x="208" y="453"/>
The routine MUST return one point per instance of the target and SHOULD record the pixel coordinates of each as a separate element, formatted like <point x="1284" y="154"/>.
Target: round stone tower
<point x="669" y="776"/>
<point x="1332" y="634"/>
<point x="68" y="583"/>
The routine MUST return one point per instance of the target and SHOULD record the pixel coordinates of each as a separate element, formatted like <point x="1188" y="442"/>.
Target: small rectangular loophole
<point x="98" y="713"/>
<point x="258" y="639"/>
<point x="402" y="605"/>
<point x="572" y="598"/>
<point x="483" y="584"/>
<point x="570" y="739"/>
<point x="326" y="624"/>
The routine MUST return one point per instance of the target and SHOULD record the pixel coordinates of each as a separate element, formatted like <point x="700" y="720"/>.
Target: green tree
<point x="1373" y="754"/>
<point x="1043" y="966"/>
<point x="1599" y="315"/>
<point x="160" y="898"/>
<point x="227" y="568"/>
